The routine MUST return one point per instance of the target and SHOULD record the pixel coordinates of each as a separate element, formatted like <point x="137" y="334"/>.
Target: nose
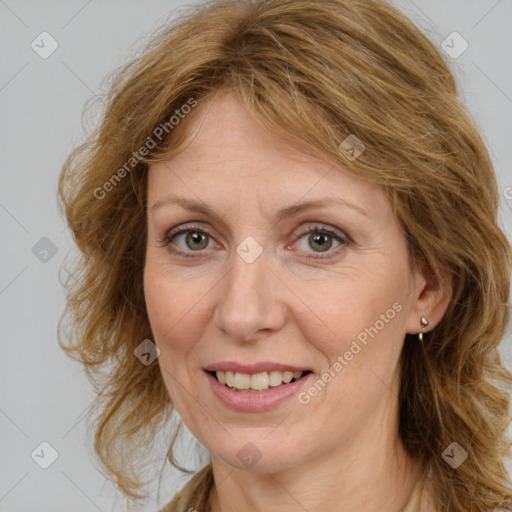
<point x="251" y="303"/>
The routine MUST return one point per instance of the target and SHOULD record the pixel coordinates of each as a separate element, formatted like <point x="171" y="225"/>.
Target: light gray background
<point x="43" y="394"/>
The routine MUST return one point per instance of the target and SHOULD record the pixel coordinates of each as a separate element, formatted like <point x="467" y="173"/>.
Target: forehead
<point x="230" y="155"/>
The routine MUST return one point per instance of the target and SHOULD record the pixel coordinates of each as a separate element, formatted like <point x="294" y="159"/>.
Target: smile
<point x="259" y="388"/>
<point x="257" y="381"/>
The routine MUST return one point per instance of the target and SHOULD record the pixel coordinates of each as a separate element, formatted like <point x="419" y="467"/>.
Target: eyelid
<point x="321" y="228"/>
<point x="313" y="227"/>
<point x="181" y="229"/>
<point x="186" y="227"/>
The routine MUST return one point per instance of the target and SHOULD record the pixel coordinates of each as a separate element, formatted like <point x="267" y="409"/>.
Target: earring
<point x="424" y="323"/>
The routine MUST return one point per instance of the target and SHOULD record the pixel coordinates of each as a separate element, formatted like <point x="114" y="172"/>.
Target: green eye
<point x="319" y="238"/>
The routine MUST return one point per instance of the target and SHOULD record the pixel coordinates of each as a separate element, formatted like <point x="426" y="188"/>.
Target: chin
<point x="258" y="455"/>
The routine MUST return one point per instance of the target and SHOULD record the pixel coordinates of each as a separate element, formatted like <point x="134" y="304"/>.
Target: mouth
<point x="257" y="382"/>
<point x="258" y="387"/>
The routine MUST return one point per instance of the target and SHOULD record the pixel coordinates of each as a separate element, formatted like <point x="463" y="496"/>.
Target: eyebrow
<point x="196" y="206"/>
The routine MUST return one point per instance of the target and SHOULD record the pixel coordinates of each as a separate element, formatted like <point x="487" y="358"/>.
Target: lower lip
<point x="255" y="401"/>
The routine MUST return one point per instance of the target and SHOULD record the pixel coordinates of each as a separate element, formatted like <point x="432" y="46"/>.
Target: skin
<point x="341" y="450"/>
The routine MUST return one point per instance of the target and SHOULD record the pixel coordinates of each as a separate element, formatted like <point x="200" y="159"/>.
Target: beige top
<point x="190" y="499"/>
<point x="420" y="499"/>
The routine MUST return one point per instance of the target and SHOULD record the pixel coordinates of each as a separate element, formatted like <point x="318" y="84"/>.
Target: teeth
<point x="275" y="378"/>
<point x="287" y="377"/>
<point x="256" y="381"/>
<point x="242" y="381"/>
<point x="260" y="381"/>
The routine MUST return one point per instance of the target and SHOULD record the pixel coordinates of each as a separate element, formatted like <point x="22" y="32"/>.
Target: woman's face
<point x="234" y="281"/>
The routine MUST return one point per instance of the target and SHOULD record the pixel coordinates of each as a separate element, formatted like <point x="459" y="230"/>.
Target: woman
<point x="289" y="236"/>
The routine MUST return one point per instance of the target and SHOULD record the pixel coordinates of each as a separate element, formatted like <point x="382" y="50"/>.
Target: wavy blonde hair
<point x="315" y="71"/>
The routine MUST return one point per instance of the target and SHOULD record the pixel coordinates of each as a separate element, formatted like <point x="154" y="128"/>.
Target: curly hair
<point x="313" y="71"/>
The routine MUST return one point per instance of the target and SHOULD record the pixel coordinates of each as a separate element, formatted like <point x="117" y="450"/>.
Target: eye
<point x="320" y="239"/>
<point x="192" y="238"/>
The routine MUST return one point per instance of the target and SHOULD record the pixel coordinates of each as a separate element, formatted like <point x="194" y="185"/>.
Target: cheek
<point x="353" y="308"/>
<point x="360" y="337"/>
<point x="171" y="314"/>
<point x="172" y="317"/>
<point x="358" y="327"/>
<point x="171" y="304"/>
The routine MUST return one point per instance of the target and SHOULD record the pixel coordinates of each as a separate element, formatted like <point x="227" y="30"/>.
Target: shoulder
<point x="422" y="498"/>
<point x="194" y="495"/>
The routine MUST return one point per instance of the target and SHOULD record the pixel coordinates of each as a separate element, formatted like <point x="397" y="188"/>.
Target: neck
<point x="359" y="476"/>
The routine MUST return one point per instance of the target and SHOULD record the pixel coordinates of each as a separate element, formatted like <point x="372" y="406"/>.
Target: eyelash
<point x="342" y="238"/>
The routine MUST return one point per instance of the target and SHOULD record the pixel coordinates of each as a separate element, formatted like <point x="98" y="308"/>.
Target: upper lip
<point x="232" y="366"/>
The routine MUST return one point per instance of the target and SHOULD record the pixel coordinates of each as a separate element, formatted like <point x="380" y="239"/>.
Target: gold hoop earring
<point x="424" y="323"/>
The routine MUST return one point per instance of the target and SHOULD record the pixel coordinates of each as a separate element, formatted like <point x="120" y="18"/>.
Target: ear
<point x="430" y="298"/>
